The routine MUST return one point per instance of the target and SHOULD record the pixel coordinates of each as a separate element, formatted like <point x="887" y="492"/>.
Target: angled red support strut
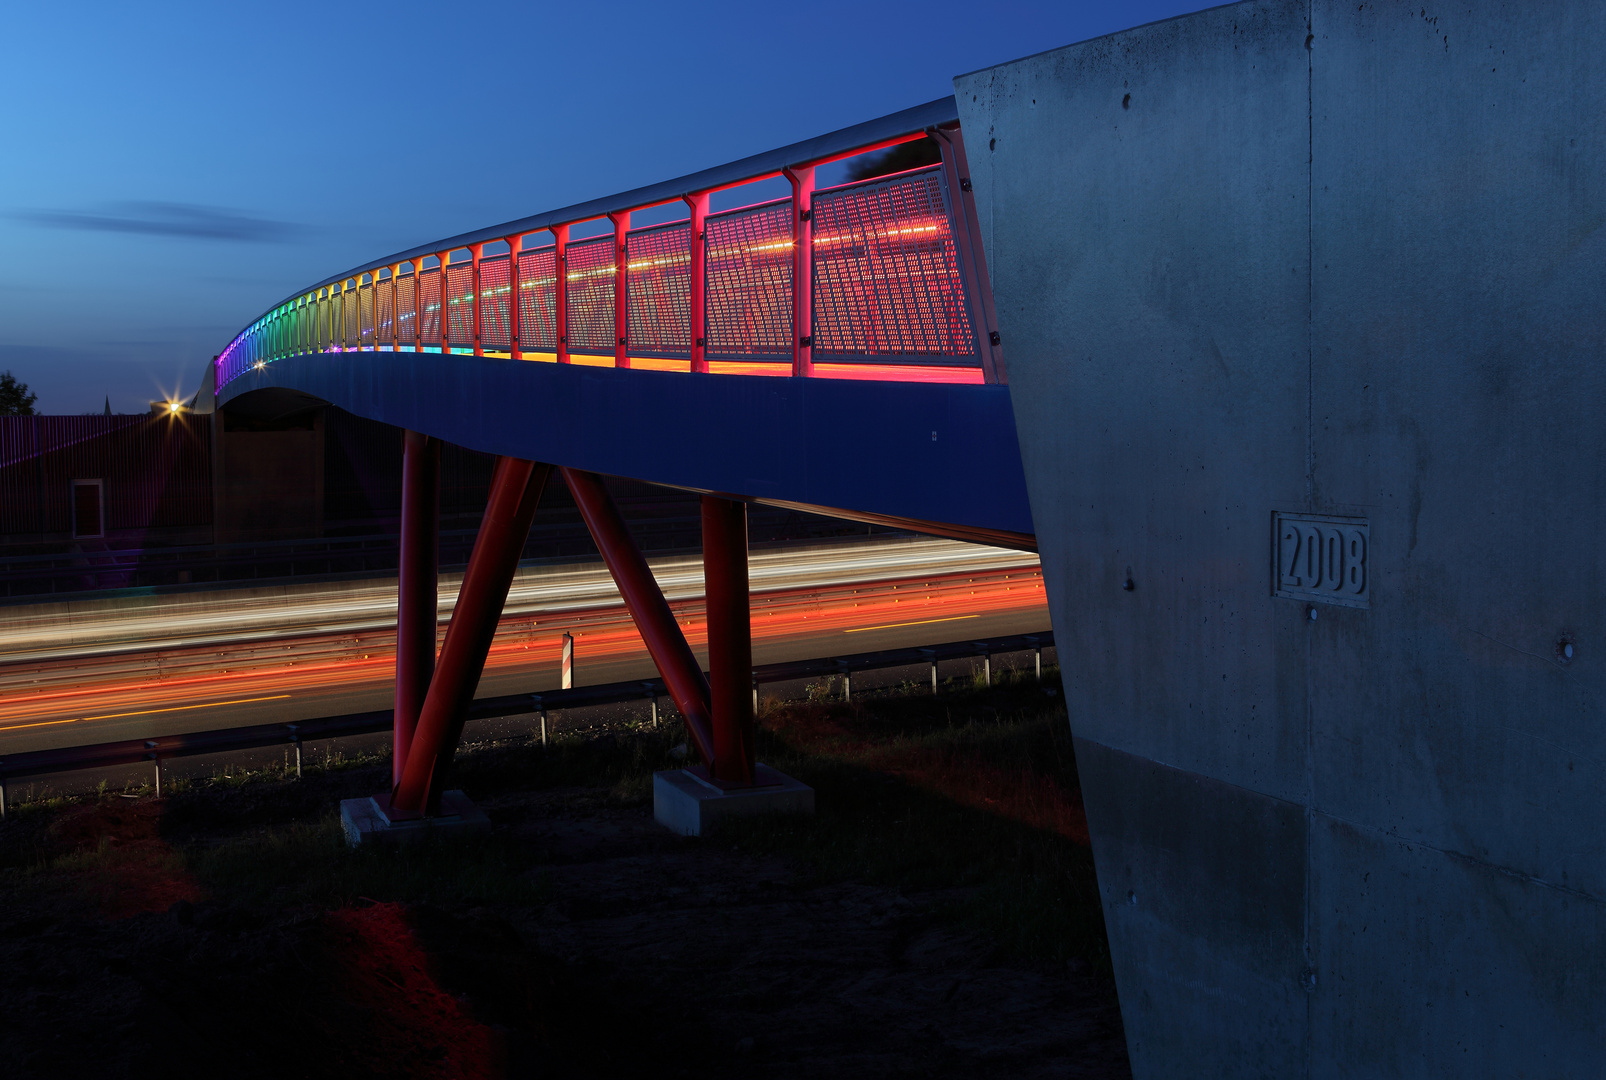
<point x="730" y="638"/>
<point x="417" y="597"/>
<point x="515" y="492"/>
<point x="681" y="675"/>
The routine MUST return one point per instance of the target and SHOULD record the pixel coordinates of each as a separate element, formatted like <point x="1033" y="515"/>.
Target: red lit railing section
<point x="891" y="280"/>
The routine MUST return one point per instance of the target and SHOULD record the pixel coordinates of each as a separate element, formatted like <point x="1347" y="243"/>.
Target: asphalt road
<point x="91" y="671"/>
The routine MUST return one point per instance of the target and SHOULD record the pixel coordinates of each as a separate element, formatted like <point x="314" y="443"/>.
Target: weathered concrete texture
<point x="368" y="821"/>
<point x="686" y="802"/>
<point x="1341" y="259"/>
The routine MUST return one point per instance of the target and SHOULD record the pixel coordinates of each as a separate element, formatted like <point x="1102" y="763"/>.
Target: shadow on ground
<point x="937" y="917"/>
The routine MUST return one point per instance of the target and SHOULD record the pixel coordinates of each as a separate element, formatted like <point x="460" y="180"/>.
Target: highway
<point x="97" y="669"/>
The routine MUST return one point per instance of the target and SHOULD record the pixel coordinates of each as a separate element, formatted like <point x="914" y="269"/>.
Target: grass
<point x="973" y="793"/>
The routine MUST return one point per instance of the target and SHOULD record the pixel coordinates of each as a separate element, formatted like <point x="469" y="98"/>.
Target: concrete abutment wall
<point x="1344" y="260"/>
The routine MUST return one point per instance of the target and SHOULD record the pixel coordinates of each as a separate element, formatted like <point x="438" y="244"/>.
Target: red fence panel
<point x="886" y="277"/>
<point x="429" y="284"/>
<point x="591" y="281"/>
<point x="538" y="300"/>
<point x="406" y="315"/>
<point x="460" y="304"/>
<point x="496" y="294"/>
<point x="749" y="274"/>
<point x="658" y="288"/>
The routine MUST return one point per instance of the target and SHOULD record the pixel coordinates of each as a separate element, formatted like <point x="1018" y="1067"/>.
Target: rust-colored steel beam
<point x="730" y="639"/>
<point x="418" y="601"/>
<point x="656" y="623"/>
<point x="515" y="492"/>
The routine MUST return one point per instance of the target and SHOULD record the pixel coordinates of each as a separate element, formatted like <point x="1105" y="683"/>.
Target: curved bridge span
<point x="835" y="348"/>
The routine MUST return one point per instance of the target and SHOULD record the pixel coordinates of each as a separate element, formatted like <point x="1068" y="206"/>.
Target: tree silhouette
<point x="15" y="398"/>
<point x="908" y="155"/>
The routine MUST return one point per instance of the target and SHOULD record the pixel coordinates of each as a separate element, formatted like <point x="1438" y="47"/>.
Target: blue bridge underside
<point x="939" y="453"/>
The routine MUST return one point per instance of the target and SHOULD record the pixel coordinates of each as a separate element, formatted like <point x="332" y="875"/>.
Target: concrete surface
<point x="689" y="804"/>
<point x="1345" y="260"/>
<point x="368" y="821"/>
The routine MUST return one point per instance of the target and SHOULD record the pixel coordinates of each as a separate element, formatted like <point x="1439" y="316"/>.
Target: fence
<point x="154" y="750"/>
<point x="879" y="278"/>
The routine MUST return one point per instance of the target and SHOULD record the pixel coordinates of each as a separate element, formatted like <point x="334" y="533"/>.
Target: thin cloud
<point x="185" y="221"/>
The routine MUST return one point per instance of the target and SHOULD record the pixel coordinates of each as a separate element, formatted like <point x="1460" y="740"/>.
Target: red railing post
<point x="676" y="664"/>
<point x="515" y="492"/>
<point x="730" y="639"/>
<point x="621" y="292"/>
<point x="802" y="179"/>
<point x="560" y="311"/>
<point x="418" y="304"/>
<point x="973" y="260"/>
<point x="474" y="293"/>
<point x="514" y="323"/>
<point x="417" y="596"/>
<point x="446" y="305"/>
<point x="698" y="203"/>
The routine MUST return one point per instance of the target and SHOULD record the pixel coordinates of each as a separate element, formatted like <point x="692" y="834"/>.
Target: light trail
<point x="286" y="671"/>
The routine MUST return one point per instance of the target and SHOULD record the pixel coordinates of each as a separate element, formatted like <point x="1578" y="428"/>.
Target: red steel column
<point x="802" y="179"/>
<point x="698" y="202"/>
<point x="621" y="291"/>
<point x="682" y="677"/>
<point x="418" y="597"/>
<point x="730" y="638"/>
<point x="515" y="492"/>
<point x="560" y="259"/>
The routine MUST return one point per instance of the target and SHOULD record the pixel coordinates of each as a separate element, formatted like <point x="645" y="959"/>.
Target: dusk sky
<point x="170" y="170"/>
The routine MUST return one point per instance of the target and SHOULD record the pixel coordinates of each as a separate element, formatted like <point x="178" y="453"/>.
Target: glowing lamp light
<point x="172" y="407"/>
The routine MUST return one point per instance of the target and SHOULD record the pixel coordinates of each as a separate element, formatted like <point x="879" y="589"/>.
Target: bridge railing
<point x="881" y="278"/>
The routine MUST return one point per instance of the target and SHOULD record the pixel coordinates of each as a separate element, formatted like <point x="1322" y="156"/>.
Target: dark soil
<point x="226" y="931"/>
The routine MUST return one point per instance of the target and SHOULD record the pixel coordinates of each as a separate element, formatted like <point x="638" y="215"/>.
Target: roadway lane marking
<point x="42" y="723"/>
<point x="186" y="708"/>
<point x="917" y="622"/>
<point x="145" y="712"/>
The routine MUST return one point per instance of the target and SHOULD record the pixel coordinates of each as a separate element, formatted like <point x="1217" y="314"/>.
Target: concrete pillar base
<point x="688" y="802"/>
<point x="370" y="820"/>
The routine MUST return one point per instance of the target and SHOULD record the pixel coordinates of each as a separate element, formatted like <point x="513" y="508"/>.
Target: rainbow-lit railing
<point x="886" y="275"/>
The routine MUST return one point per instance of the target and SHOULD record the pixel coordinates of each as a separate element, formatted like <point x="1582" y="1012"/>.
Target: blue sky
<point x="170" y="170"/>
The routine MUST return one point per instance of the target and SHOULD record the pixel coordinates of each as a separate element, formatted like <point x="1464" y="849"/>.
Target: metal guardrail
<point x="191" y="744"/>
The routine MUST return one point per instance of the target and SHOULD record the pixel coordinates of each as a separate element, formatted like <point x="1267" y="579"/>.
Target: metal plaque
<point x="1321" y="559"/>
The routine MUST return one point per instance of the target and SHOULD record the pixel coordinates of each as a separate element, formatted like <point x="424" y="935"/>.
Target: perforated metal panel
<point x="460" y="304"/>
<point x="496" y="296"/>
<point x="591" y="292"/>
<point x="749" y="275"/>
<point x="886" y="278"/>
<point x="350" y="319"/>
<point x="538" y="300"/>
<point x="429" y="285"/>
<point x="406" y="315"/>
<point x="658" y="290"/>
<point x="365" y="299"/>
<point x="385" y="312"/>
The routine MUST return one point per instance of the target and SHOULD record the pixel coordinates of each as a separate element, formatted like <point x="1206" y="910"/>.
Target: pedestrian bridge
<point x="834" y="349"/>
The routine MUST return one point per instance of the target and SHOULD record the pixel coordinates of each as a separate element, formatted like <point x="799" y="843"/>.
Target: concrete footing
<point x="686" y="801"/>
<point x="370" y="820"/>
